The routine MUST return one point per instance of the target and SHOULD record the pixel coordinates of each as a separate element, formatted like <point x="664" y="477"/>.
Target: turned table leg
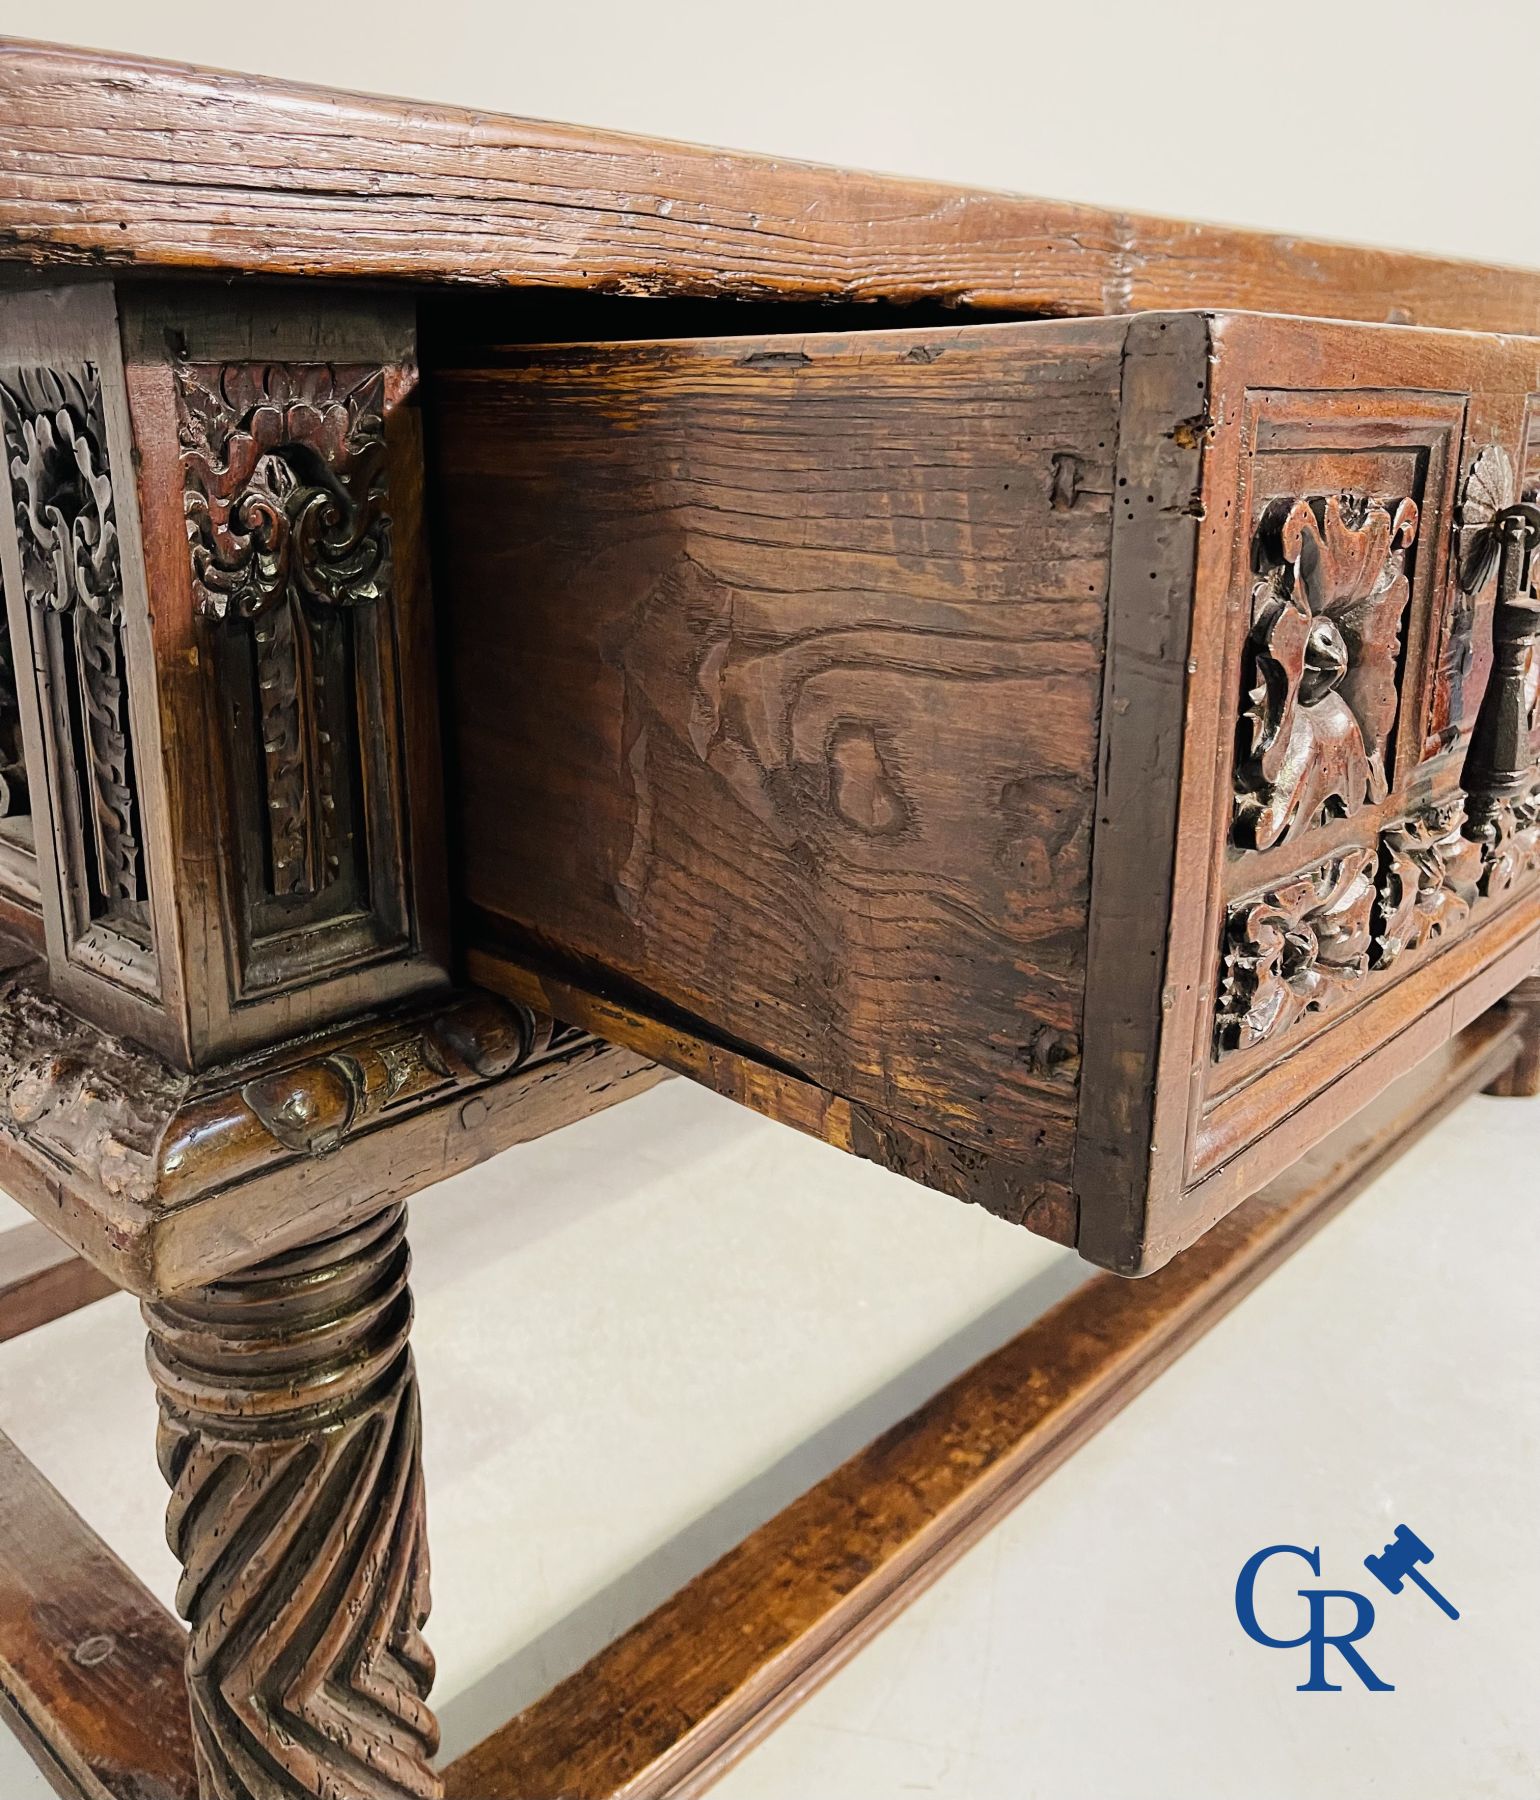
<point x="1522" y="1077"/>
<point x="289" y="1432"/>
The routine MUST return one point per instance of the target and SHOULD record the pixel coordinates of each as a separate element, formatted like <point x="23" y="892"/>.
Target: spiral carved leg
<point x="290" y="1435"/>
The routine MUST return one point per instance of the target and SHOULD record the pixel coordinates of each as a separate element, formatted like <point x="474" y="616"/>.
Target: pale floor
<point x="642" y="1336"/>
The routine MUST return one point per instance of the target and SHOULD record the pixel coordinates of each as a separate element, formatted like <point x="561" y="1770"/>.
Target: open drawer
<point x="1064" y="761"/>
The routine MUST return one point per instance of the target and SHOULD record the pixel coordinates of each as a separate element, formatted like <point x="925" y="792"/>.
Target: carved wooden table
<point x="946" y="670"/>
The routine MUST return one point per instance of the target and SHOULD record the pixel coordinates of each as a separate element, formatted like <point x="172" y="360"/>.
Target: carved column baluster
<point x="1500" y="769"/>
<point x="290" y="1436"/>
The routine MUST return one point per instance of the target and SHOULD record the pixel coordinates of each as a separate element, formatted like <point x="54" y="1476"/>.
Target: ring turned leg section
<point x="290" y="1435"/>
<point x="1522" y="1077"/>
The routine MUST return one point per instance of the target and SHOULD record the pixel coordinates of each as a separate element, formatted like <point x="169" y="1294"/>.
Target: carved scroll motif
<point x="285" y="486"/>
<point x="1300" y="949"/>
<point x="1430" y="876"/>
<point x="290" y="1437"/>
<point x="117" y="1118"/>
<point x="71" y="576"/>
<point x="1321" y="663"/>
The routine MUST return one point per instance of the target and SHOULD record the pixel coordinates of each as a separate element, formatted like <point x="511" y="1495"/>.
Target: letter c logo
<point x="1246" y="1594"/>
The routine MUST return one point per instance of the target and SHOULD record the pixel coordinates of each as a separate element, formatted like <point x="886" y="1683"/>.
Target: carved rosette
<point x="1321" y="663"/>
<point x="290" y="1437"/>
<point x="1299" y="949"/>
<point x="71" y="578"/>
<point x="284" y="468"/>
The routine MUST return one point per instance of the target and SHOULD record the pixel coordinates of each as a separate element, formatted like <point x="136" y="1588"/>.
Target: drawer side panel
<point x="778" y="673"/>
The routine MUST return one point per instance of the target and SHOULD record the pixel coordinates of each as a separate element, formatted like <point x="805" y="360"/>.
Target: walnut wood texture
<point x="758" y="617"/>
<point x="90" y="1663"/>
<point x="42" y="1279"/>
<point x="235" y="791"/>
<point x="1035" y="756"/>
<point x="276" y="179"/>
<point x="291" y="1438"/>
<point x="163" y="1179"/>
<point x="669" y="1705"/>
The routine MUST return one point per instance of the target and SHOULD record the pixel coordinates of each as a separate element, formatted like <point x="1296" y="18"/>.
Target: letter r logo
<point x="1315" y="1634"/>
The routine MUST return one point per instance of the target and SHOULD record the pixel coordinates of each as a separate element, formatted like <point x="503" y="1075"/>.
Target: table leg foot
<point x="290" y="1436"/>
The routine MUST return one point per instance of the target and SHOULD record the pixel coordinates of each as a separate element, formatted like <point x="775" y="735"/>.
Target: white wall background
<point x="1409" y="124"/>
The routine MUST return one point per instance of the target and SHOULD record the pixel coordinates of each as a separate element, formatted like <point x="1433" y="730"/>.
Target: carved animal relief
<point x="1321" y="663"/>
<point x="72" y="584"/>
<point x="289" y="534"/>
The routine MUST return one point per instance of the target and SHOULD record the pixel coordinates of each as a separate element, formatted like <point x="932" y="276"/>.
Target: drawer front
<point x="1033" y="756"/>
<point x="1349" y="885"/>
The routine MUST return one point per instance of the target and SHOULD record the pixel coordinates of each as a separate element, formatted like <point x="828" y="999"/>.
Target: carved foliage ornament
<point x="1297" y="950"/>
<point x="71" y="576"/>
<point x="1430" y="875"/>
<point x="1321" y="662"/>
<point x="1313" y="941"/>
<point x="284" y="468"/>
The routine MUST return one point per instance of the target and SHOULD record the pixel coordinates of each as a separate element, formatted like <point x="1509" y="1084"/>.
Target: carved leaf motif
<point x="57" y="448"/>
<point x="1429" y="879"/>
<point x="61" y="487"/>
<point x="1299" y="949"/>
<point x="1322" y="663"/>
<point x="1506" y="840"/>
<point x="284" y="467"/>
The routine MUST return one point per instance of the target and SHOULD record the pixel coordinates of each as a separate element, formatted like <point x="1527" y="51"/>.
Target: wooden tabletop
<point x="111" y="162"/>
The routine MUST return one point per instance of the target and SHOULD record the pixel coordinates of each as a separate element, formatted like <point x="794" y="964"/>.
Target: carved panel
<point x="1315" y="939"/>
<point x="289" y="533"/>
<point x="61" y="490"/>
<point x="291" y="1438"/>
<point x="1301" y="948"/>
<point x="1321" y="662"/>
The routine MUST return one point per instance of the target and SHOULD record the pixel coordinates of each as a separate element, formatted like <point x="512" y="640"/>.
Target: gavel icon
<point x="1398" y="1561"/>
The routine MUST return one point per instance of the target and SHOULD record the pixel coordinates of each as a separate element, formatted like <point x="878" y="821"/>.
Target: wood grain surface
<point x="90" y="1663"/>
<point x="778" y="673"/>
<point x="836" y="645"/>
<point x="668" y="1706"/>
<point x="111" y="161"/>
